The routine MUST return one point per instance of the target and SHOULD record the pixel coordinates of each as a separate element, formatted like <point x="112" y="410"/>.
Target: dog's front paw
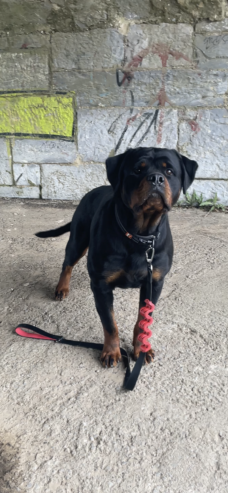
<point x="110" y="356"/>
<point x="149" y="356"/>
<point x="61" y="293"/>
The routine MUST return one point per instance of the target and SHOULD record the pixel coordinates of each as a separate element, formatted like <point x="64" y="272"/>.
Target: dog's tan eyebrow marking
<point x="143" y="165"/>
<point x="164" y="165"/>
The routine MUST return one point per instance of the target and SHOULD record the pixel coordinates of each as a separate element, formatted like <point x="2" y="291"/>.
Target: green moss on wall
<point x="30" y="114"/>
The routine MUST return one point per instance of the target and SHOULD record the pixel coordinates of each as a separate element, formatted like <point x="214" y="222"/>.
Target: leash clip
<point x="150" y="256"/>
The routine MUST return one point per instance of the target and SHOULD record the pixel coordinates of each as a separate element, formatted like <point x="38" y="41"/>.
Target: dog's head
<point x="150" y="179"/>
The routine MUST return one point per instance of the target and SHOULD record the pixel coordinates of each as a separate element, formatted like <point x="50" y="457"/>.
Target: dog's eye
<point x="169" y="172"/>
<point x="138" y="171"/>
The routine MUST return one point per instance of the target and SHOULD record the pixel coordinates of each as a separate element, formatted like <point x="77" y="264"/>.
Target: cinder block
<point x="156" y="46"/>
<point x="71" y="182"/>
<point x="158" y="11"/>
<point x="92" y="88"/>
<point x="89" y="14"/>
<point x="5" y="163"/>
<point x="91" y="50"/>
<point x="212" y="27"/>
<point x="3" y="43"/>
<point x="28" y="41"/>
<point x="101" y="88"/>
<point x="196" y="88"/>
<point x="203" y="136"/>
<point x="24" y="70"/>
<point x="135" y="10"/>
<point x="26" y="174"/>
<point x="43" y="151"/>
<point x="212" y="51"/>
<point x="24" y="15"/>
<point x="209" y="9"/>
<point x="104" y="132"/>
<point x="20" y="192"/>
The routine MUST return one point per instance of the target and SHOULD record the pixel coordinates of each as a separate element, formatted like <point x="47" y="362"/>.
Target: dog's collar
<point x="146" y="240"/>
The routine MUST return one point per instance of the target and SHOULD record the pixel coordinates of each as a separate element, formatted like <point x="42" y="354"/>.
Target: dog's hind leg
<point x="76" y="248"/>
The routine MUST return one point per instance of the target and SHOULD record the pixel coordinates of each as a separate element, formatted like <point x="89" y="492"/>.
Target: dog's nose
<point x="156" y="179"/>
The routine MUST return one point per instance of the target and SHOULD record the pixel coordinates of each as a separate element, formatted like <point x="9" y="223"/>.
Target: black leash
<point x="130" y="377"/>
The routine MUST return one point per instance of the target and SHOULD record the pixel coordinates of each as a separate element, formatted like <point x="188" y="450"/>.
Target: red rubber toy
<point x="144" y="326"/>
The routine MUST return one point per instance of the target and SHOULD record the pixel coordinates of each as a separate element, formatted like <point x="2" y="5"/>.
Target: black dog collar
<point x="146" y="240"/>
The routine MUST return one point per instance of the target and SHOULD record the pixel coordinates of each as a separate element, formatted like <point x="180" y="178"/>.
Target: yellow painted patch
<point x="30" y="114"/>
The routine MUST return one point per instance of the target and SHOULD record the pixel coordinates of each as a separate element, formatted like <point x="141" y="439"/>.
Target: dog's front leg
<point x="103" y="296"/>
<point x="156" y="291"/>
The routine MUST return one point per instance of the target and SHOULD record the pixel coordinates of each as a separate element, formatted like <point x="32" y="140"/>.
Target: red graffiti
<point x="163" y="51"/>
<point x="160" y="49"/>
<point x="133" y="64"/>
<point x="133" y="118"/>
<point x="161" y="118"/>
<point x="194" y="126"/>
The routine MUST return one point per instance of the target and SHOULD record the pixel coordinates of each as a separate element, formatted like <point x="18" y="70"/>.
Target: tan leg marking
<point x="62" y="290"/>
<point x="63" y="287"/>
<point x="157" y="274"/>
<point x="111" y="350"/>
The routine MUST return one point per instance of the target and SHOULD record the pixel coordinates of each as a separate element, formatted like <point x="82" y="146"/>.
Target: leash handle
<point x="39" y="333"/>
<point x="23" y="333"/>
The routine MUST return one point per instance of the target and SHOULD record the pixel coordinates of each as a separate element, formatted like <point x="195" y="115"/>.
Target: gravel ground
<point x="66" y="425"/>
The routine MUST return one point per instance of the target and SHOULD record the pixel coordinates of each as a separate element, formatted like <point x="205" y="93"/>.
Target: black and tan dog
<point x="145" y="183"/>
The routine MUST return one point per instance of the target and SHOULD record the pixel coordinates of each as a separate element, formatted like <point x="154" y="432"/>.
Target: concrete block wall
<point x="82" y="80"/>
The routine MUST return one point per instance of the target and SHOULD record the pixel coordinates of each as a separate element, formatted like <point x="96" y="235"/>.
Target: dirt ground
<point x="66" y="425"/>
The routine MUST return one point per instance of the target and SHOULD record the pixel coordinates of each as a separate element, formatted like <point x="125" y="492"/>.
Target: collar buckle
<point x="149" y="242"/>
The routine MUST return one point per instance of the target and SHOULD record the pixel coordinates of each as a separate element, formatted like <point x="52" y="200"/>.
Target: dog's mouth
<point x="154" y="201"/>
<point x="148" y="198"/>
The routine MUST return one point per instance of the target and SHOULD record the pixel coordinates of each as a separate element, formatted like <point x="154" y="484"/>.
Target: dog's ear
<point x="189" y="169"/>
<point x="113" y="168"/>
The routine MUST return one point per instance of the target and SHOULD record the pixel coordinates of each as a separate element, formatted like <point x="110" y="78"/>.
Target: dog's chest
<point x="128" y="272"/>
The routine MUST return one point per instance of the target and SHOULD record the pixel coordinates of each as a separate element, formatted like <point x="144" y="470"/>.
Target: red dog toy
<point x="144" y="326"/>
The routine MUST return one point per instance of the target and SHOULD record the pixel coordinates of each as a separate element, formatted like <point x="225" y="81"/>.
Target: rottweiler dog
<point x="114" y="221"/>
